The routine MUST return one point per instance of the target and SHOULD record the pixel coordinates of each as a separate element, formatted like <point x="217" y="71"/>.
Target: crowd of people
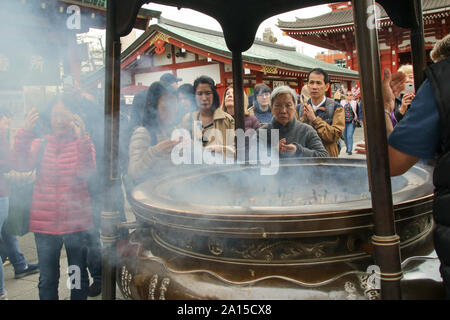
<point x="67" y="156"/>
<point x="62" y="143"/>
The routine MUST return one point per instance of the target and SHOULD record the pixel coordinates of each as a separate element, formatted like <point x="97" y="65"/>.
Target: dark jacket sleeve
<point x="255" y="123"/>
<point x="397" y="114"/>
<point x="313" y="148"/>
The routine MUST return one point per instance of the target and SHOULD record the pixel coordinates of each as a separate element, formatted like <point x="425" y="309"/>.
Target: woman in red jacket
<point x="60" y="209"/>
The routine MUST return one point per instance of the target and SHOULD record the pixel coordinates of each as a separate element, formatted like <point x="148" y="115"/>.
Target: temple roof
<point x="345" y="17"/>
<point x="261" y="53"/>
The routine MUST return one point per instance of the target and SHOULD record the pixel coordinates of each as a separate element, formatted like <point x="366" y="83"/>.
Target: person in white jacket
<point x="150" y="144"/>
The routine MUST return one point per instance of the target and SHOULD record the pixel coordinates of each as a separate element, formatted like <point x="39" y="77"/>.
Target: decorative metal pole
<point x="238" y="87"/>
<point x="110" y="214"/>
<point x="238" y="94"/>
<point x="385" y="241"/>
<point x="417" y="38"/>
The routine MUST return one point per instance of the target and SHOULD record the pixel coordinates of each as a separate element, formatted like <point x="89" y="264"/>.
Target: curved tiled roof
<point x="262" y="53"/>
<point x="345" y="17"/>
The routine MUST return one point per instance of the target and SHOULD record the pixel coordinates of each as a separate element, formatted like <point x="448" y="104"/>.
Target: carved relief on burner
<point x="153" y="287"/>
<point x="370" y="290"/>
<point x="215" y="246"/>
<point x="163" y="288"/>
<point x="125" y="281"/>
<point x="415" y="227"/>
<point x="350" y="289"/>
<point x="267" y="250"/>
<point x="283" y="250"/>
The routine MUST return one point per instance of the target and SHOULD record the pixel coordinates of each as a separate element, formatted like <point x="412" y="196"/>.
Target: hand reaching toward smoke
<point x="284" y="148"/>
<point x="165" y="147"/>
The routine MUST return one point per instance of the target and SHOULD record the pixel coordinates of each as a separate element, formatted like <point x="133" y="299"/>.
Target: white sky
<point x="196" y="18"/>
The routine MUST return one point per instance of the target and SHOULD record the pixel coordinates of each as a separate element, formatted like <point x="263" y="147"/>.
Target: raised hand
<point x="30" y="119"/>
<point x="78" y="126"/>
<point x="406" y="101"/>
<point x="308" y="113"/>
<point x="361" y="148"/>
<point x="392" y="85"/>
<point x="214" y="148"/>
<point x="165" y="147"/>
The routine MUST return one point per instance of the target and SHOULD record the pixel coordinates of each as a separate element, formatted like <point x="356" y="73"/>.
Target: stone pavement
<point x="358" y="137"/>
<point x="26" y="288"/>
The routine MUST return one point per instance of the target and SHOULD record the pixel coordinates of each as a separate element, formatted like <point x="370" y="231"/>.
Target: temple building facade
<point x="335" y="31"/>
<point x="188" y="52"/>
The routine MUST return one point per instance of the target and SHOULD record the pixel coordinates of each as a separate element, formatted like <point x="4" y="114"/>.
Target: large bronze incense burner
<point x="230" y="228"/>
<point x="239" y="29"/>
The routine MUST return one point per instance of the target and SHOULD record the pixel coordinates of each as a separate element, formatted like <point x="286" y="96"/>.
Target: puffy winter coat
<point x="60" y="202"/>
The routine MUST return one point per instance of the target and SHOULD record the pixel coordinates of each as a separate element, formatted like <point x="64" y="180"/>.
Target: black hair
<point x="137" y="110"/>
<point x="261" y="88"/>
<point x="186" y="88"/>
<point x="71" y="101"/>
<point x="326" y="77"/>
<point x="209" y="81"/>
<point x="150" y="119"/>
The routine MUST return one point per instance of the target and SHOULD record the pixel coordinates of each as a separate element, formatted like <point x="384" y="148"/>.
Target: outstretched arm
<point x="399" y="162"/>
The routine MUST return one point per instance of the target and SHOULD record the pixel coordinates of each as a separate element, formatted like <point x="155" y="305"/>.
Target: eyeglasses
<point x="264" y="94"/>
<point x="201" y="93"/>
<point x="281" y="107"/>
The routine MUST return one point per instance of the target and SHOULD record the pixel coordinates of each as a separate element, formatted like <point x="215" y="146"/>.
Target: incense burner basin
<point x="305" y="231"/>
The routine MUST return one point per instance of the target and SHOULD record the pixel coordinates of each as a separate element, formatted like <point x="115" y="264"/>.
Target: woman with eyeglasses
<point x="261" y="106"/>
<point x="210" y="120"/>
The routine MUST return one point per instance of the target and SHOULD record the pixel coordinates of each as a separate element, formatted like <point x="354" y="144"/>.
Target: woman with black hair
<point x="209" y="119"/>
<point x="186" y="100"/>
<point x="150" y="145"/>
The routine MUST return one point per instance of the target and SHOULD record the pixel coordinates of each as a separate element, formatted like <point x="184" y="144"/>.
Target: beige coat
<point x="222" y="122"/>
<point x="144" y="161"/>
